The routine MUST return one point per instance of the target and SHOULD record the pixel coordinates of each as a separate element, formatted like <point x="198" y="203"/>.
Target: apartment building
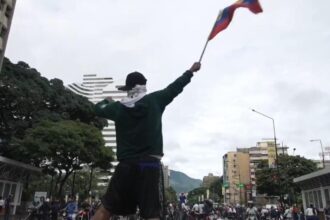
<point x="236" y="176"/>
<point x="264" y="150"/>
<point x="209" y="179"/>
<point x="7" y="8"/>
<point x="166" y="176"/>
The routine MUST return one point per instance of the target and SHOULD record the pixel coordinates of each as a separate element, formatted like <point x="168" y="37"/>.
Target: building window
<point x="320" y="199"/>
<point x="1" y="188"/>
<point x="316" y="201"/>
<point x="310" y="198"/>
<point x="306" y="199"/>
<point x="326" y="193"/>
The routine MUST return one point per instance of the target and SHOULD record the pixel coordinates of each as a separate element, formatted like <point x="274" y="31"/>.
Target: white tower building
<point x="96" y="89"/>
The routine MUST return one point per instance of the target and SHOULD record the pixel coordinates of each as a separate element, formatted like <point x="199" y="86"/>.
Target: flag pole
<point x="207" y="41"/>
<point x="201" y="57"/>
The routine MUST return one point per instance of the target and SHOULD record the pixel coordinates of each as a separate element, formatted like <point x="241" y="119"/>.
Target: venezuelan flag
<point x="226" y="15"/>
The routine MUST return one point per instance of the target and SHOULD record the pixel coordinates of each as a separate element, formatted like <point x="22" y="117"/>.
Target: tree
<point x="270" y="183"/>
<point x="170" y="195"/>
<point x="195" y="194"/>
<point x="27" y="98"/>
<point x="63" y="147"/>
<point x="216" y="189"/>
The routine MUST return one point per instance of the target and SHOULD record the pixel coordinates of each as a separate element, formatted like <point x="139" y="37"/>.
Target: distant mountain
<point x="183" y="183"/>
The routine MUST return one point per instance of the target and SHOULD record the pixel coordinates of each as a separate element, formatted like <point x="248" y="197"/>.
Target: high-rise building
<point x="166" y="176"/>
<point x="209" y="179"/>
<point x="6" y="15"/>
<point x="264" y="150"/>
<point x="96" y="89"/>
<point x="236" y="176"/>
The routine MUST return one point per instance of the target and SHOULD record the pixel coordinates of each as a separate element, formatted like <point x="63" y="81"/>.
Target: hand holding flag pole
<point x="226" y="15"/>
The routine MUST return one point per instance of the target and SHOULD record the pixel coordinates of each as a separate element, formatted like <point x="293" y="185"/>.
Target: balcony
<point x="10" y="3"/>
<point x="4" y="22"/>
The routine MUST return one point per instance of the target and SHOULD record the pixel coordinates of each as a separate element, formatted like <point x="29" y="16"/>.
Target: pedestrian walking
<point x="44" y="209"/>
<point x="8" y="200"/>
<point x="138" y="121"/>
<point x="327" y="211"/>
<point x="71" y="209"/>
<point x="55" y="209"/>
<point x="2" y="205"/>
<point x="295" y="212"/>
<point x="311" y="213"/>
<point x="288" y="213"/>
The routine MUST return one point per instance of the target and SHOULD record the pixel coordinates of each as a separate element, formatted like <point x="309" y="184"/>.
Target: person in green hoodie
<point x="137" y="181"/>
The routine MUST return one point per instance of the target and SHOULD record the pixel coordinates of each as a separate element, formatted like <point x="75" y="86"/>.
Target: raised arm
<point x="167" y="95"/>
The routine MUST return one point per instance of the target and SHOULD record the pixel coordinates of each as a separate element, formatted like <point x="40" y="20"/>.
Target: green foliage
<point x="290" y="167"/>
<point x="46" y="183"/>
<point x="27" y="98"/>
<point x="194" y="194"/>
<point x="63" y="147"/>
<point x="216" y="190"/>
<point x="44" y="124"/>
<point x="81" y="180"/>
<point x="170" y="195"/>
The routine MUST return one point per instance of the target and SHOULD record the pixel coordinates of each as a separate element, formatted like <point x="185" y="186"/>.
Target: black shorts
<point x="136" y="183"/>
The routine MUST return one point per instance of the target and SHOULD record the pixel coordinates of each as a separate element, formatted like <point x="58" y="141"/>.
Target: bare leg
<point x="102" y="214"/>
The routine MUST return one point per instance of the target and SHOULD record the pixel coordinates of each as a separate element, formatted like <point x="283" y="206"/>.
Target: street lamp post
<point x="276" y="153"/>
<point x="319" y="140"/>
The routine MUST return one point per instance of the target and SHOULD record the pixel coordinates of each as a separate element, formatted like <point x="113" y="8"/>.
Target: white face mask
<point x="134" y="95"/>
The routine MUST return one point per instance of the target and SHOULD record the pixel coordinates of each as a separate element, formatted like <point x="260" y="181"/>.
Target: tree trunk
<point x="67" y="174"/>
<point x="90" y="180"/>
<point x="58" y="180"/>
<point x="51" y="187"/>
<point x="73" y="183"/>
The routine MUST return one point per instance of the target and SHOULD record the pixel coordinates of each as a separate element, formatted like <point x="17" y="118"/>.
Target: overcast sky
<point x="276" y="62"/>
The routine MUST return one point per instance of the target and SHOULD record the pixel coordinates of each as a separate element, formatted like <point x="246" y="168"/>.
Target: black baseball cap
<point x="133" y="79"/>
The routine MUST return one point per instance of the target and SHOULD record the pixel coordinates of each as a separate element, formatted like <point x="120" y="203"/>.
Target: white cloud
<point x="276" y="62"/>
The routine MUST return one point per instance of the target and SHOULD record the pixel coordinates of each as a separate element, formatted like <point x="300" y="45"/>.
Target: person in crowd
<point x="195" y="210"/>
<point x="288" y="213"/>
<point x="273" y="213"/>
<point x="54" y="208"/>
<point x="252" y="212"/>
<point x="84" y="212"/>
<point x="71" y="209"/>
<point x="7" y="208"/>
<point x="182" y="199"/>
<point x="264" y="213"/>
<point x="327" y="211"/>
<point x="295" y="212"/>
<point x="138" y="120"/>
<point x="2" y="204"/>
<point x="44" y="209"/>
<point x="232" y="212"/>
<point x="311" y="213"/>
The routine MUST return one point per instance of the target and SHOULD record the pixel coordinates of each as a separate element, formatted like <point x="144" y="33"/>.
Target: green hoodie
<point x="139" y="129"/>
